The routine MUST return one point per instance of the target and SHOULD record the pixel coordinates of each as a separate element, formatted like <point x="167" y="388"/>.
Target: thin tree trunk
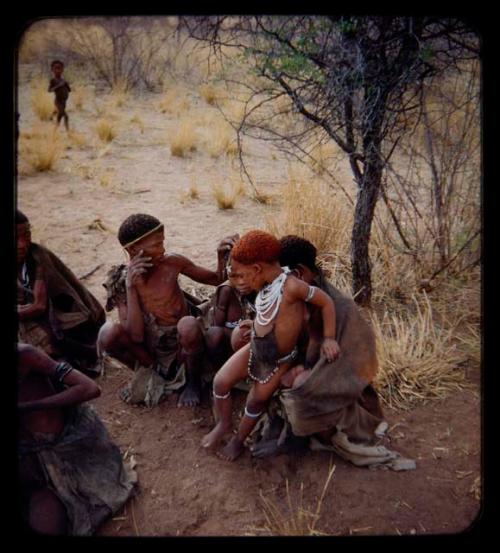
<point x="360" y="238"/>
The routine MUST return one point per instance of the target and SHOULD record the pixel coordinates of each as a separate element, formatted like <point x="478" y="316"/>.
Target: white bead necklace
<point x="271" y="295"/>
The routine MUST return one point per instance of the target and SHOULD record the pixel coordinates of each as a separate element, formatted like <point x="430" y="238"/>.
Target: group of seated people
<point x="275" y="326"/>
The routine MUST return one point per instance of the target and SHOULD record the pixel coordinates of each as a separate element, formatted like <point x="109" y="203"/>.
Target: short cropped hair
<point x="295" y="250"/>
<point x="21" y="218"/>
<point x="255" y="246"/>
<point x="55" y="62"/>
<point x="135" y="226"/>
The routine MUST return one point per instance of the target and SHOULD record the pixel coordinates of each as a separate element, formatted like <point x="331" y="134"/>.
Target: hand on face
<point x="138" y="266"/>
<point x="226" y="245"/>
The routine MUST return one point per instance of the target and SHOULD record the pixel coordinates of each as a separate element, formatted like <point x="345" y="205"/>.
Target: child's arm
<point x="300" y="290"/>
<point x="134" y="323"/>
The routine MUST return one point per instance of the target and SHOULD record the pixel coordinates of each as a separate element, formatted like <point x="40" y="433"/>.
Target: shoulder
<point x="293" y="285"/>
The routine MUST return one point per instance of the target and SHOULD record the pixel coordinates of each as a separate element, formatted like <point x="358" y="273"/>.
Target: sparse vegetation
<point x="106" y="129"/>
<point x="39" y="149"/>
<point x="184" y="140"/>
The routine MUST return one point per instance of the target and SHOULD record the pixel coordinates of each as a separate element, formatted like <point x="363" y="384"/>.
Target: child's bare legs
<point x="61" y="113"/>
<point x="257" y="399"/>
<point x="114" y="340"/>
<point x="233" y="371"/>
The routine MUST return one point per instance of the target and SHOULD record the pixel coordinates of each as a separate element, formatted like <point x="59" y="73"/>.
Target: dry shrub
<point x="77" y="139"/>
<point x="313" y="211"/>
<point x="106" y="129"/>
<point x="296" y="519"/>
<point x="222" y="140"/>
<point x="209" y="93"/>
<point x="136" y="120"/>
<point x="419" y="359"/>
<point x="192" y="193"/>
<point x="39" y="149"/>
<point x="42" y="101"/>
<point x="185" y="139"/>
<point x="174" y="101"/>
<point x="118" y="96"/>
<point x="80" y="95"/>
<point x="226" y="194"/>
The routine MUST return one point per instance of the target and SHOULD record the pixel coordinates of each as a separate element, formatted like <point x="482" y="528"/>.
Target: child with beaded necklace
<point x="280" y="305"/>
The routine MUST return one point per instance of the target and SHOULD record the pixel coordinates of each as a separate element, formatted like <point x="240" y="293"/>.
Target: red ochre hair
<point x="255" y="246"/>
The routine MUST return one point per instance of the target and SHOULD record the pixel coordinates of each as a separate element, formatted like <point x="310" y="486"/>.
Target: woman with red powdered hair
<point x="272" y="351"/>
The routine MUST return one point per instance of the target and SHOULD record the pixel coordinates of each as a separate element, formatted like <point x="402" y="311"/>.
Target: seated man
<point x="56" y="312"/>
<point x="333" y="401"/>
<point x="158" y="325"/>
<point x="71" y="474"/>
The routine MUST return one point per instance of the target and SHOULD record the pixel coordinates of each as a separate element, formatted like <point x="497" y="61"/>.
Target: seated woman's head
<point x="299" y="255"/>
<point x="252" y="256"/>
<point x="142" y="232"/>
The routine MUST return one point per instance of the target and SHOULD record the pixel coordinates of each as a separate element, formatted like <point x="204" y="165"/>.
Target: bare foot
<point x="232" y="450"/>
<point x="189" y="397"/>
<point x="212" y="439"/>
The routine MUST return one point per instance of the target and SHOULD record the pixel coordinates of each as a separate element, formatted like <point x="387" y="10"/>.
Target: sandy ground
<point x="184" y="491"/>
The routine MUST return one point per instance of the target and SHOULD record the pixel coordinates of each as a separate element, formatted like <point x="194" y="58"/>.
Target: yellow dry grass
<point x="137" y="120"/>
<point x="419" y="358"/>
<point x="184" y="140"/>
<point x="209" y="93"/>
<point x="106" y="129"/>
<point x="80" y="96"/>
<point x="228" y="193"/>
<point x="174" y="101"/>
<point x="296" y="518"/>
<point x="313" y="211"/>
<point x="222" y="140"/>
<point x="42" y="102"/>
<point x="39" y="149"/>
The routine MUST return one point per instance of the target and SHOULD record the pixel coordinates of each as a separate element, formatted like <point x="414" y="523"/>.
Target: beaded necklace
<point x="269" y="298"/>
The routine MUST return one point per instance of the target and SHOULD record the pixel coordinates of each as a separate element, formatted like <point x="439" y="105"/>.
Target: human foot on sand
<point x="190" y="397"/>
<point x="212" y="439"/>
<point x="232" y="450"/>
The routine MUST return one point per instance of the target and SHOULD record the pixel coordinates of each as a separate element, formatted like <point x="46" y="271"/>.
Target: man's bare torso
<point x="160" y="293"/>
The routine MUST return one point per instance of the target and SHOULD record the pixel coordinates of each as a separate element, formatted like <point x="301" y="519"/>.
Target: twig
<point x="86" y="275"/>
<point x="133" y="516"/>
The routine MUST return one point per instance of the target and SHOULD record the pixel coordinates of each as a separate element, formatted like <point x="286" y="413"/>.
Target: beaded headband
<point x="160" y="226"/>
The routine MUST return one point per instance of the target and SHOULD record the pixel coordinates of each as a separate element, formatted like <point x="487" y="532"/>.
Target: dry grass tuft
<point x="419" y="359"/>
<point x="174" y="101"/>
<point x="294" y="520"/>
<point x="222" y="140"/>
<point x="80" y="95"/>
<point x="313" y="211"/>
<point x="136" y="120"/>
<point x="192" y="193"/>
<point x="106" y="129"/>
<point x="209" y="93"/>
<point x="42" y="101"/>
<point x="226" y="194"/>
<point x="185" y="140"/>
<point x="39" y="149"/>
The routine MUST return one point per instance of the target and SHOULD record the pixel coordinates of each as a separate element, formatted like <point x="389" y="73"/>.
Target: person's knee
<point x="47" y="514"/>
<point x="255" y="406"/>
<point x="190" y="335"/>
<point x="111" y="336"/>
<point x="221" y="384"/>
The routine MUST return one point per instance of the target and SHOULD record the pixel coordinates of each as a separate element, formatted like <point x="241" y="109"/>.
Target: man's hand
<point x="138" y="265"/>
<point x="330" y="349"/>
<point x="226" y="245"/>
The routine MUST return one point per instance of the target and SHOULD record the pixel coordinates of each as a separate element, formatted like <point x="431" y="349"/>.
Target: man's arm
<point x="221" y="306"/>
<point x="39" y="304"/>
<point x="80" y="388"/>
<point x="206" y="276"/>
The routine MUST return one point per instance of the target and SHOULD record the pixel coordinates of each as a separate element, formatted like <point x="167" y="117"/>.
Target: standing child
<point x="61" y="90"/>
<point x="280" y="313"/>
